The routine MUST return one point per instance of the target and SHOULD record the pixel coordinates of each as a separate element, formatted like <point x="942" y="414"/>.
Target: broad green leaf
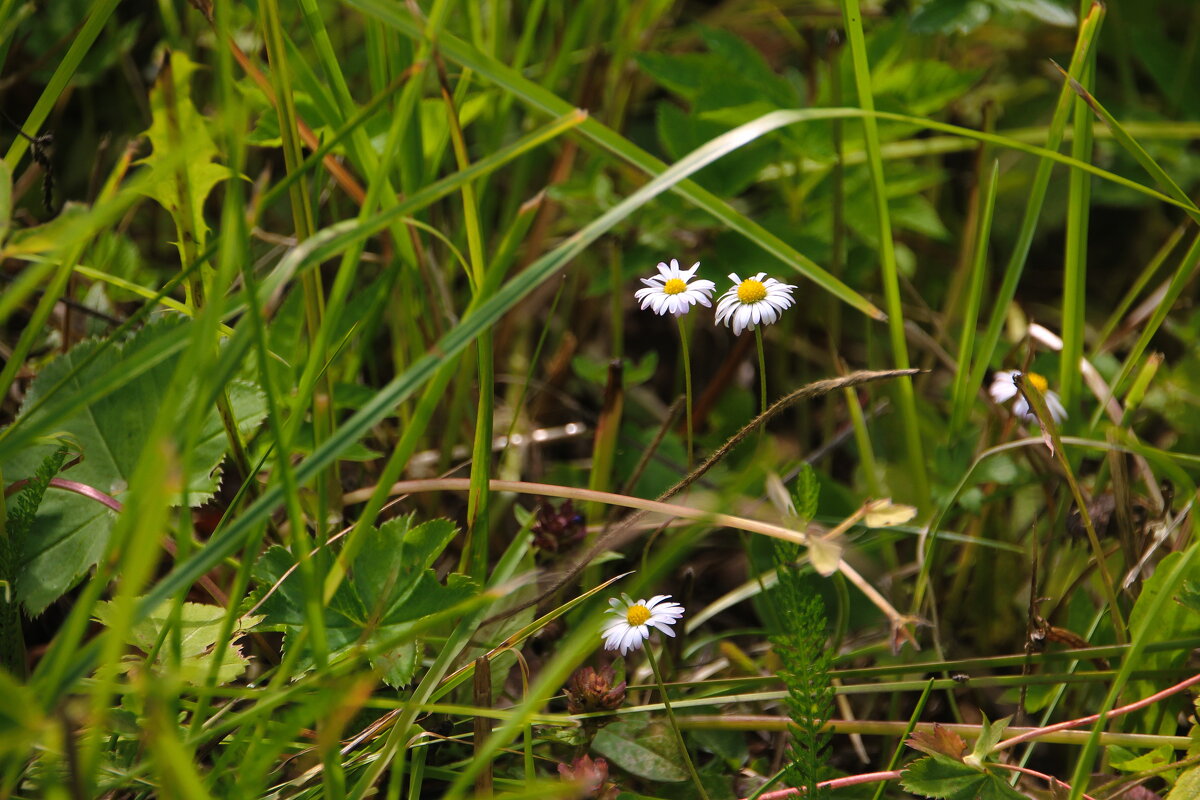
<point x="950" y="16"/>
<point x="181" y="185"/>
<point x="1047" y="11"/>
<point x="647" y="749"/>
<point x="1189" y="595"/>
<point x="390" y="583"/>
<point x="199" y="628"/>
<point x="1187" y="787"/>
<point x="948" y="779"/>
<point x="71" y="532"/>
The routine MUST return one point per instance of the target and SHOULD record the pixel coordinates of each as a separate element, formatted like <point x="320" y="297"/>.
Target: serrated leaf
<point x="181" y="184"/>
<point x="390" y="583"/>
<point x="947" y="779"/>
<point x="71" y="532"/>
<point x="939" y="741"/>
<point x="644" y="749"/>
<point x="806" y="492"/>
<point x="199" y="628"/>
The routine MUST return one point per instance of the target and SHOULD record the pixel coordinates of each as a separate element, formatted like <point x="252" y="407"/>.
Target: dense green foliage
<point x="330" y="420"/>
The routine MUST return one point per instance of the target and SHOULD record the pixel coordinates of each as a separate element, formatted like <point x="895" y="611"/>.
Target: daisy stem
<point x="674" y="725"/>
<point x="687" y="387"/>
<point x="762" y="371"/>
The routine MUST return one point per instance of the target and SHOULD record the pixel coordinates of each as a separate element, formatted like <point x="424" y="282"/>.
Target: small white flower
<point x="1004" y="389"/>
<point x="634" y="620"/>
<point x="754" y="301"/>
<point x="669" y="290"/>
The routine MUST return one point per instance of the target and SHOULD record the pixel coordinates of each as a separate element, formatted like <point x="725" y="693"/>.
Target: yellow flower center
<point x="751" y="291"/>
<point x="1037" y="381"/>
<point x="674" y="286"/>
<point x="637" y="615"/>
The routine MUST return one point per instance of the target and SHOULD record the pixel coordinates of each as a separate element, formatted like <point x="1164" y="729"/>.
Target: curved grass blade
<point x="480" y="315"/>
<point x="533" y="95"/>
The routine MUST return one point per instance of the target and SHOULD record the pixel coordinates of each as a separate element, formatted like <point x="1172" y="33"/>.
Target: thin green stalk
<point x="1139" y="283"/>
<point x="762" y="371"/>
<point x="1183" y="275"/>
<point x="475" y="551"/>
<point x="1037" y="194"/>
<point x="322" y="403"/>
<point x="966" y="343"/>
<point x="662" y="691"/>
<point x="687" y="387"/>
<point x="1075" y="253"/>
<point x="890" y="273"/>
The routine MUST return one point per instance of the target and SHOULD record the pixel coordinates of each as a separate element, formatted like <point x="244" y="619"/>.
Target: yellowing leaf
<point x="199" y="626"/>
<point x="825" y="555"/>
<point x="183" y="169"/>
<point x="884" y="513"/>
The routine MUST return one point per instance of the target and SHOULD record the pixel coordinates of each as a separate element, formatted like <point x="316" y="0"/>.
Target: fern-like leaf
<point x="806" y="665"/>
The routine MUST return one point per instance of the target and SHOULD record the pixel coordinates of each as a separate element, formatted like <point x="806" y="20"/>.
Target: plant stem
<point x="687" y="387"/>
<point x="687" y="759"/>
<point x="762" y="372"/>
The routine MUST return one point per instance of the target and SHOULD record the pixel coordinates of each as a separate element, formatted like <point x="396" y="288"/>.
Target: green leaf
<point x="391" y="583"/>
<point x="1189" y="595"/>
<point x="71" y="532"/>
<point x="1044" y="10"/>
<point x="806" y="492"/>
<point x="950" y="16"/>
<point x="947" y="779"/>
<point x="595" y="371"/>
<point x="990" y="734"/>
<point x="1187" y="787"/>
<point x="1172" y="621"/>
<point x="646" y="749"/>
<point x="181" y="185"/>
<point x="199" y="629"/>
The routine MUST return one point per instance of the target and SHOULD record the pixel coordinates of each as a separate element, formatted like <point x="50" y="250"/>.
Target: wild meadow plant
<point x="329" y="421"/>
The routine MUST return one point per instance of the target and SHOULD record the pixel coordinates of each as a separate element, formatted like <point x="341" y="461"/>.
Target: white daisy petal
<point x="1003" y="389"/>
<point x="634" y="622"/>
<point x="670" y="291"/>
<point x="752" y="302"/>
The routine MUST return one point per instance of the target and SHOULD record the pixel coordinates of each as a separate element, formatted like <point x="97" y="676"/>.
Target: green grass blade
<point x="1088" y="31"/>
<point x="546" y="101"/>
<point x="966" y="343"/>
<point x="852" y="16"/>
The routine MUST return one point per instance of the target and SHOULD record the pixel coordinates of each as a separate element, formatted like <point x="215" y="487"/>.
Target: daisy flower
<point x="1004" y="389"/>
<point x="754" y="301"/>
<point x="669" y="290"/>
<point x="634" y="620"/>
